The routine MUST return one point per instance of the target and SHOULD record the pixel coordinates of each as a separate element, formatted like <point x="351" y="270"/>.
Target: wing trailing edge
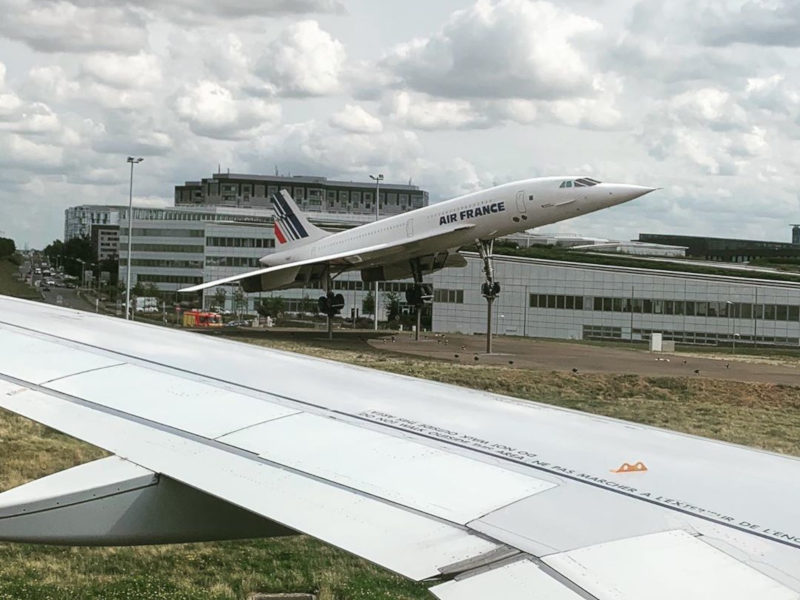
<point x="351" y="258"/>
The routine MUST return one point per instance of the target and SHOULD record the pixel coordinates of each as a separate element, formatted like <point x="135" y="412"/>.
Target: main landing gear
<point x="330" y="304"/>
<point x="490" y="289"/>
<point x="419" y="294"/>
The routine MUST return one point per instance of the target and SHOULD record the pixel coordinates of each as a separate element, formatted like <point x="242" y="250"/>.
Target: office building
<point x="312" y="194"/>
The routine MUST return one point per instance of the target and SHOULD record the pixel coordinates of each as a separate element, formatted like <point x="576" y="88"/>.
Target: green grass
<point x="11" y="286"/>
<point x="761" y="415"/>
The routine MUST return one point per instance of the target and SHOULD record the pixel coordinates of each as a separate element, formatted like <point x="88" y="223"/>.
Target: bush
<point x="7" y="247"/>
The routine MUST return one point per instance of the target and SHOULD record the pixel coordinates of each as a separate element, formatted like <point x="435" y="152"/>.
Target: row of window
<point x="238" y="242"/>
<point x="159" y="214"/>
<point x="314" y="195"/>
<point x="158" y="232"/>
<point x="345" y="284"/>
<point x="158" y="262"/>
<point x="603" y="332"/>
<point x="162" y="248"/>
<point x="689" y="308"/>
<point x="231" y="261"/>
<point x="159" y="278"/>
<point x="450" y="296"/>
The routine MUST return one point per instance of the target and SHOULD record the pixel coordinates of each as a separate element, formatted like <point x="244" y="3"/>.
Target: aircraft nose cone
<point x="629" y="192"/>
<point x="619" y="193"/>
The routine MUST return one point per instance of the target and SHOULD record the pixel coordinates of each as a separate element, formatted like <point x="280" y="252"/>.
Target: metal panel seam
<point x="236" y="451"/>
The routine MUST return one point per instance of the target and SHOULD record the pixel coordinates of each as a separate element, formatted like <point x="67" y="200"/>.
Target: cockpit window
<point x="582" y="182"/>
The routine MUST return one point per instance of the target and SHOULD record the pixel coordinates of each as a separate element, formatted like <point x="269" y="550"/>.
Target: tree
<point x="220" y="294"/>
<point x="150" y="290"/>
<point x="54" y="251"/>
<point x="7" y="247"/>
<point x="271" y="307"/>
<point x="307" y="305"/>
<point x="239" y="302"/>
<point x="110" y="265"/>
<point x="368" y="304"/>
<point x="391" y="302"/>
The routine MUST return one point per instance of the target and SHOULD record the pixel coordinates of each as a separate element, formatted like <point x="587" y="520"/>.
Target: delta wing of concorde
<point x="480" y="495"/>
<point x="423" y="240"/>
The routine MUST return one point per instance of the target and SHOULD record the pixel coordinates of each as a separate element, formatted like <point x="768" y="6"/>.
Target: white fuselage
<point x="495" y="212"/>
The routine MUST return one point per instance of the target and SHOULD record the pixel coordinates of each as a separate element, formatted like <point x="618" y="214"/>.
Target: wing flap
<point x="169" y="399"/>
<point x="391" y="469"/>
<point x="37" y="361"/>
<point x="401" y="540"/>
<point x="665" y="566"/>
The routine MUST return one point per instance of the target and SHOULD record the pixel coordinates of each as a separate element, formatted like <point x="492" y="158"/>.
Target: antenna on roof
<point x="219" y="169"/>
<point x="276" y="170"/>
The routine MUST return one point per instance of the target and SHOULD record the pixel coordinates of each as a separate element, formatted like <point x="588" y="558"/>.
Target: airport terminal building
<point x="578" y="301"/>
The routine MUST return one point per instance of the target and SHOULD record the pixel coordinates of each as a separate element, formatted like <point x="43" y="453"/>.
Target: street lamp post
<point x="378" y="178"/>
<point x="83" y="277"/>
<point x="133" y="161"/>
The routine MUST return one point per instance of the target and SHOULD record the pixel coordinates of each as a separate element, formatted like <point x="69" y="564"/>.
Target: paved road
<point x="69" y="298"/>
<point x="562" y="356"/>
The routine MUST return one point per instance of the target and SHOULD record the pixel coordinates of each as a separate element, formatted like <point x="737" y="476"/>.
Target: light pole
<point x="133" y="161"/>
<point x="83" y="277"/>
<point x="378" y="178"/>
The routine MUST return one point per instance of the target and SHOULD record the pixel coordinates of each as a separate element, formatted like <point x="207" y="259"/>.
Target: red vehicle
<point x="199" y="318"/>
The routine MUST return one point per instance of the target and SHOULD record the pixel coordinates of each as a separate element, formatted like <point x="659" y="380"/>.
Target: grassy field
<point x="11" y="286"/>
<point x="766" y="416"/>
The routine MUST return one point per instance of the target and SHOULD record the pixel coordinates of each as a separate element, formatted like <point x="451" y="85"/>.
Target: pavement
<point x="549" y="355"/>
<point x="68" y="298"/>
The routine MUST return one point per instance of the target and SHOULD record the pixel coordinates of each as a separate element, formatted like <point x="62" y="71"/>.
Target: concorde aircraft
<point x="423" y="240"/>
<point x="480" y="495"/>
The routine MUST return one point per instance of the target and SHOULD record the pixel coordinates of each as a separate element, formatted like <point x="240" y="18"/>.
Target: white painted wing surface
<point x="468" y="489"/>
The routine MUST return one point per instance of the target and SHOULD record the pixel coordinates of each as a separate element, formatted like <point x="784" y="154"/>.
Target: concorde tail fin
<point x="291" y="225"/>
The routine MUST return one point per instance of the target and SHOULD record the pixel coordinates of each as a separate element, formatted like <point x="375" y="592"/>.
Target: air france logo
<point x="471" y="213"/>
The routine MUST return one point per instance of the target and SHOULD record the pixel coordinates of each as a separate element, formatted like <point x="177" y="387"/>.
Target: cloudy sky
<point x="699" y="97"/>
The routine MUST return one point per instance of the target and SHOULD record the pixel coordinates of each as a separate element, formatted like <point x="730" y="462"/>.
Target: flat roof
<point x="641" y="270"/>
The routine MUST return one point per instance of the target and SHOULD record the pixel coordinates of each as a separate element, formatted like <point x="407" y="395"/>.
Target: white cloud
<point x="418" y="111"/>
<point x="62" y="26"/>
<point x="36" y="118"/>
<point x="303" y="61"/>
<point x="141" y="70"/>
<point x="501" y="49"/>
<point x="19" y="151"/>
<point x="50" y="83"/>
<point x="211" y="110"/>
<point x="211" y="11"/>
<point x="710" y="107"/>
<point x="354" y="119"/>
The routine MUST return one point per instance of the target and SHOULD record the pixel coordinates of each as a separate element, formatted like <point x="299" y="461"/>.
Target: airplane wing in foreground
<point x="350" y="257"/>
<point x="483" y="496"/>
